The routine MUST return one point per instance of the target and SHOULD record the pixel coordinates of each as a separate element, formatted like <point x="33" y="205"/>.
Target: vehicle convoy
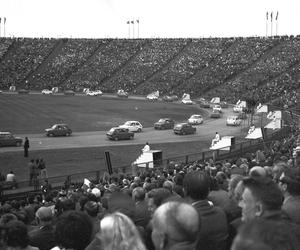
<point x="132" y="126"/>
<point x="59" y="130"/>
<point x="8" y="139"/>
<point x="195" y="119"/>
<point x="117" y="133"/>
<point x="164" y="123"/>
<point x="184" y="129"/>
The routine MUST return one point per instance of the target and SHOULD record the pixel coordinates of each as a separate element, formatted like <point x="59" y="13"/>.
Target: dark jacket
<point x="43" y="238"/>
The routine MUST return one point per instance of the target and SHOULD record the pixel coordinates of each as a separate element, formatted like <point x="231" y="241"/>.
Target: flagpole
<point x="0" y="26"/>
<point x="272" y="23"/>
<point x="267" y="25"/>
<point x="277" y="23"/>
<point x="4" y="26"/>
<point x="132" y="29"/>
<point x="138" y="23"/>
<point x="128" y="22"/>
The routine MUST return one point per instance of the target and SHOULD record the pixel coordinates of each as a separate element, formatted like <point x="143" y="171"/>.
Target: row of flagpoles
<point x="131" y="23"/>
<point x="4" y="22"/>
<point x="271" y="22"/>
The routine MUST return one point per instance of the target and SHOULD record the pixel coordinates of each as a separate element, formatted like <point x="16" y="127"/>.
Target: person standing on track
<point x="26" y="147"/>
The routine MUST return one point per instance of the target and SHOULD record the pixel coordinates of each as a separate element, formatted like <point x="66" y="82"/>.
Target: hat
<point x="44" y="213"/>
<point x="257" y="171"/>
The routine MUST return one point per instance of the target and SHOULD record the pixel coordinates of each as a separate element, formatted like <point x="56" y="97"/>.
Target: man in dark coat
<point x="26" y="147"/>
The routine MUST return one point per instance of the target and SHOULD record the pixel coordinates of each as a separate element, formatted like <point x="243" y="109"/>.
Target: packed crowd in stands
<point x="206" y="67"/>
<point x="250" y="202"/>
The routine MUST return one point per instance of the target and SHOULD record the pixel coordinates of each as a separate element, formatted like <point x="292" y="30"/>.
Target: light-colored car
<point x="187" y="101"/>
<point x="47" y="92"/>
<point x="217" y="107"/>
<point x="195" y="119"/>
<point x="233" y="121"/>
<point x="152" y="97"/>
<point x="122" y="93"/>
<point x="94" y="93"/>
<point x="132" y="126"/>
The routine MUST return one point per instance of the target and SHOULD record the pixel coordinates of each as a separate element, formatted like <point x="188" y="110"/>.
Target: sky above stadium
<point x="156" y="18"/>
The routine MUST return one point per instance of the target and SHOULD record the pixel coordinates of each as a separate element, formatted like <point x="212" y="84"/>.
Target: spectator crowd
<point x="250" y="202"/>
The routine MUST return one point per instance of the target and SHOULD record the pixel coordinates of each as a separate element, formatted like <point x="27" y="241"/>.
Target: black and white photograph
<point x="149" y="125"/>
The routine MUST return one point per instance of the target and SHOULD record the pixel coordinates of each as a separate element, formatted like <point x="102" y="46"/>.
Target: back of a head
<point x="139" y="193"/>
<point x="168" y="185"/>
<point x="119" y="232"/>
<point x="266" y="191"/>
<point x="178" y="220"/>
<point x="196" y="185"/>
<point x="91" y="208"/>
<point x="262" y="234"/>
<point x="159" y="195"/>
<point x="16" y="234"/>
<point x="44" y="214"/>
<point x="73" y="230"/>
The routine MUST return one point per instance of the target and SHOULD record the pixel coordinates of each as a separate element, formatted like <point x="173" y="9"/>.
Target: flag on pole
<point x="132" y="22"/>
<point x="267" y="15"/>
<point x="128" y="22"/>
<point x="276" y="16"/>
<point x="4" y="20"/>
<point x="271" y="16"/>
<point x="138" y="21"/>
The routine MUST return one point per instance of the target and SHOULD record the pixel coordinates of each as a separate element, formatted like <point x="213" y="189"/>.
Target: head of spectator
<point x="196" y="185"/>
<point x="278" y="169"/>
<point x="175" y="226"/>
<point x="233" y="182"/>
<point x="44" y="216"/>
<point x="138" y="194"/>
<point x="262" y="234"/>
<point x="17" y="235"/>
<point x="73" y="230"/>
<point x="260" y="198"/>
<point x="5" y="218"/>
<point x="156" y="197"/>
<point x="257" y="172"/>
<point x="119" y="232"/>
<point x="168" y="185"/>
<point x="92" y="208"/>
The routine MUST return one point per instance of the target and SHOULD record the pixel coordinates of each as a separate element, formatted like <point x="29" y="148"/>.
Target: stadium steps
<point x="167" y="64"/>
<point x="77" y="68"/>
<point x="5" y="53"/>
<point x="115" y="72"/>
<point x="43" y="66"/>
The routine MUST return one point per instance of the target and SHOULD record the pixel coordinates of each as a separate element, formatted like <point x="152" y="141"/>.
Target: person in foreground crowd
<point x="260" y="234"/>
<point x="175" y="226"/>
<point x="73" y="231"/>
<point x="118" y="232"/>
<point x="213" y="233"/>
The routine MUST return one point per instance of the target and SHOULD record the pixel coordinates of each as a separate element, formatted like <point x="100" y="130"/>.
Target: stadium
<point x="76" y="82"/>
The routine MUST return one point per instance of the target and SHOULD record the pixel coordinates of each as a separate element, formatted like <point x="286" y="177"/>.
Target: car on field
<point x="47" y="92"/>
<point x="153" y="96"/>
<point x="23" y="91"/>
<point x="217" y="107"/>
<point x="233" y="121"/>
<point x="59" y="130"/>
<point x="215" y="114"/>
<point x="0" y="91"/>
<point x="123" y="94"/>
<point x="242" y="115"/>
<point x="224" y="105"/>
<point x="170" y="98"/>
<point x="8" y="139"/>
<point x="117" y="133"/>
<point x="184" y="129"/>
<point x="164" y="123"/>
<point x="204" y="104"/>
<point x="94" y="93"/>
<point x="132" y="126"/>
<point x="69" y="92"/>
<point x="187" y="101"/>
<point x="195" y="119"/>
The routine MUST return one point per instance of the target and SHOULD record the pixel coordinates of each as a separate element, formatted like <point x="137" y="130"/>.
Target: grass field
<point x="31" y="114"/>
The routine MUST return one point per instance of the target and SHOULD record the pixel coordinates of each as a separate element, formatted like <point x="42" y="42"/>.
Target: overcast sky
<point x="157" y="18"/>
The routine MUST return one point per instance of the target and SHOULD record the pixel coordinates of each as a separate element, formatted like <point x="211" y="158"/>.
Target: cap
<point x="96" y="192"/>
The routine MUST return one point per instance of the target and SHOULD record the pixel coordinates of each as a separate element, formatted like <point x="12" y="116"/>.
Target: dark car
<point x="224" y="104"/>
<point x="23" y="91"/>
<point x="117" y="133"/>
<point x="204" y="104"/>
<point x="59" y="130"/>
<point x="242" y="115"/>
<point x="164" y="123"/>
<point x="184" y="129"/>
<point x="69" y="92"/>
<point x="215" y="114"/>
<point x="8" y="139"/>
<point x="170" y="98"/>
